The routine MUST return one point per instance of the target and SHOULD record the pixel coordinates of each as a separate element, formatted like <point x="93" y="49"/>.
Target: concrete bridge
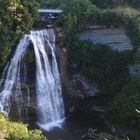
<point x="49" y="15"/>
<point x="50" y="11"/>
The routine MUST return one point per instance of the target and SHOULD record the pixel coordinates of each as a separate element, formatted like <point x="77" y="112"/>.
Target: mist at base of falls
<point x="48" y="93"/>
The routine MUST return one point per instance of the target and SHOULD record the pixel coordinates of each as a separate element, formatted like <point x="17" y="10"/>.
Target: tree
<point x="16" y="18"/>
<point x="77" y="13"/>
<point x="123" y="107"/>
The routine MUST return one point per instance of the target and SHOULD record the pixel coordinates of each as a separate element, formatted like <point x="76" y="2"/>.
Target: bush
<point x="108" y="69"/>
<point x="122" y="108"/>
<point x="17" y="131"/>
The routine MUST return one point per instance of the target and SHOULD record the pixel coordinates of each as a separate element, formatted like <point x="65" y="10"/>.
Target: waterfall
<point x="49" y="100"/>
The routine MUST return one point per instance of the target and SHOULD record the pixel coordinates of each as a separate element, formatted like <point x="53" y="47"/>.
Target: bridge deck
<point x="52" y="11"/>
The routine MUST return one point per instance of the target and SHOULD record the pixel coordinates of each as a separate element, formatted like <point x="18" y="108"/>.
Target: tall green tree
<point x="16" y="18"/>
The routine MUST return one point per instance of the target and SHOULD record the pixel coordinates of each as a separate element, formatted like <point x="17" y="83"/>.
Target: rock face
<point x="75" y="87"/>
<point x="134" y="70"/>
<point x="89" y="88"/>
<point x="72" y="88"/>
<point x="115" y="38"/>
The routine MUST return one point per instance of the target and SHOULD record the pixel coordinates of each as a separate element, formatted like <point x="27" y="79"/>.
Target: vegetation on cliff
<point x="123" y="108"/>
<point x="107" y="68"/>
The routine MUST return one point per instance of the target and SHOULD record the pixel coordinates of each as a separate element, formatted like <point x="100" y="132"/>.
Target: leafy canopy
<point x="16" y="18"/>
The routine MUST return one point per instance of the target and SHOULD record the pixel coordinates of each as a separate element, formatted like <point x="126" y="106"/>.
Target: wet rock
<point x="89" y="87"/>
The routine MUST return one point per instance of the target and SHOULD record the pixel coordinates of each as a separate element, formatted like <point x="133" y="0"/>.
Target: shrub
<point x="18" y="131"/>
<point x="108" y="69"/>
<point x="122" y="108"/>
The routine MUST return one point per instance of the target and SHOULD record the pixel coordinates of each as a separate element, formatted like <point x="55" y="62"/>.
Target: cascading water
<point x="49" y="100"/>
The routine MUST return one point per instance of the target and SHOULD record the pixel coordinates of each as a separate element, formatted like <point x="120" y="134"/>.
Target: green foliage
<point x="76" y="14"/>
<point x="113" y="3"/>
<point x="108" y="18"/>
<point x="129" y="19"/>
<point x="98" y="3"/>
<point x="52" y="3"/>
<point x="16" y="18"/>
<point x="134" y="31"/>
<point x="100" y="64"/>
<point x="104" y="3"/>
<point x="17" y="131"/>
<point x="117" y="17"/>
<point x="123" y="108"/>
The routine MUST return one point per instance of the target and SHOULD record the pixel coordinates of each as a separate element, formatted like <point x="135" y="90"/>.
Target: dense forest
<point x="107" y="68"/>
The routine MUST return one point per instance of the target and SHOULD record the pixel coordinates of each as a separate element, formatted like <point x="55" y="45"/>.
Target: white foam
<point x="50" y="126"/>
